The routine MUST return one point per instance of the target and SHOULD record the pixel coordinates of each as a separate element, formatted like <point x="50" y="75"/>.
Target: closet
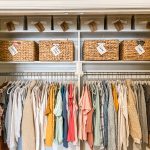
<point x="82" y="38"/>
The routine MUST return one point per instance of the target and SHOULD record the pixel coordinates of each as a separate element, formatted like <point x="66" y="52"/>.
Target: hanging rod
<point x="37" y="74"/>
<point x="116" y="73"/>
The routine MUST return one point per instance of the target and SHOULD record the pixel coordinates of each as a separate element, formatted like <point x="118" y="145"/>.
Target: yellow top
<point x="115" y="97"/>
<point x="50" y="116"/>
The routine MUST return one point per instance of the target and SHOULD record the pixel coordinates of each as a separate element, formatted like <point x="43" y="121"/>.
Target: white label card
<point x="12" y="49"/>
<point x="101" y="49"/>
<point x="55" y="50"/>
<point x="140" y="49"/>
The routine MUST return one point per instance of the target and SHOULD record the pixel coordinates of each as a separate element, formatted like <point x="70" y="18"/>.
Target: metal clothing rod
<point x="116" y="73"/>
<point x="37" y="74"/>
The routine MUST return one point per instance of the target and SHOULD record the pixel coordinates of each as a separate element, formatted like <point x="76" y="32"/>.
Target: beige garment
<point x="134" y="123"/>
<point x="123" y="126"/>
<point x="28" y="129"/>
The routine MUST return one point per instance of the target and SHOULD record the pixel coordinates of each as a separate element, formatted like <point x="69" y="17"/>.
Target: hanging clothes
<point x="43" y="118"/>
<point x="64" y="91"/>
<point x="37" y="114"/>
<point x="89" y="125"/>
<point x="143" y="115"/>
<point x="115" y="97"/>
<point x="134" y="128"/>
<point x="85" y="108"/>
<point x="106" y="100"/>
<point x="30" y="108"/>
<point x="147" y="100"/>
<point x="97" y="132"/>
<point x="112" y="124"/>
<point x="80" y="118"/>
<point x="59" y="120"/>
<point x="50" y="116"/>
<point x="119" y="107"/>
<point x="28" y="130"/>
<point x="71" y="128"/>
<point x="123" y="125"/>
<point x="75" y="114"/>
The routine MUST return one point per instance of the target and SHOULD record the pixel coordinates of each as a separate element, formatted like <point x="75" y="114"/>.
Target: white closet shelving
<point x="78" y="65"/>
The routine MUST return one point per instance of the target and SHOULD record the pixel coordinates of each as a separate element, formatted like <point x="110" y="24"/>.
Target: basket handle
<point x="93" y="26"/>
<point x="64" y="25"/>
<point x="40" y="27"/>
<point x="140" y="42"/>
<point x="119" y="25"/>
<point x="10" y="26"/>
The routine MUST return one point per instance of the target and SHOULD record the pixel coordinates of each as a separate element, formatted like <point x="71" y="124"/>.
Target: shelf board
<point x="116" y="62"/>
<point x="76" y="31"/>
<point x="113" y="31"/>
<point x="38" y="66"/>
<point x="115" y="66"/>
<point x="27" y="31"/>
<point x="38" y="62"/>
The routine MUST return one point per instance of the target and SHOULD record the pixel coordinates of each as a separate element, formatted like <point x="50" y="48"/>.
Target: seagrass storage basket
<point x="56" y="50"/>
<point x="91" y="52"/>
<point x="18" y="51"/>
<point x="135" y="50"/>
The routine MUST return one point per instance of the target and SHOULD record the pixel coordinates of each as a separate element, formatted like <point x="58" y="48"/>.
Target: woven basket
<point x="128" y="51"/>
<point x="26" y="51"/>
<point x="66" y="49"/>
<point x="90" y="51"/>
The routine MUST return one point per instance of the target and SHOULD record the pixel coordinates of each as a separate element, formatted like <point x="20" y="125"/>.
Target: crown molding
<point x="72" y="4"/>
<point x="51" y="7"/>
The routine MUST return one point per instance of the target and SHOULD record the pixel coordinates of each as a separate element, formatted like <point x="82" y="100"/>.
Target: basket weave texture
<point x="90" y="51"/>
<point x="128" y="51"/>
<point x="66" y="48"/>
<point x="26" y="51"/>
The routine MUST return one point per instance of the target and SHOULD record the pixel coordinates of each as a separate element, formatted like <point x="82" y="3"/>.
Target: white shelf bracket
<point x="79" y="71"/>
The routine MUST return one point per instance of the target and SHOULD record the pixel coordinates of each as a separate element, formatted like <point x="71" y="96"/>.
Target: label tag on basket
<point x="101" y="49"/>
<point x="140" y="49"/>
<point x="12" y="49"/>
<point x="55" y="49"/>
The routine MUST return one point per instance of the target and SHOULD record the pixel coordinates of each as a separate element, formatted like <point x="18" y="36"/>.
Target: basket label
<point x="101" y="49"/>
<point x="55" y="50"/>
<point x="140" y="49"/>
<point x="12" y="49"/>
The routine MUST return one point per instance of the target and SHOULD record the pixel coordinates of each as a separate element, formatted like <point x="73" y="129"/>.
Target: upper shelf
<point x="116" y="62"/>
<point x="71" y="34"/>
<point x="75" y="31"/>
<point x="37" y="66"/>
<point x="122" y="66"/>
<point x="87" y="66"/>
